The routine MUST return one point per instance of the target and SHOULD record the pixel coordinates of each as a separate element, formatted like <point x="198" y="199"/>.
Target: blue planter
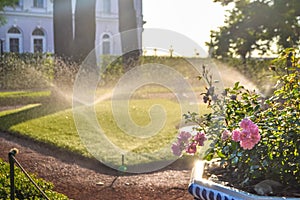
<point x="203" y="189"/>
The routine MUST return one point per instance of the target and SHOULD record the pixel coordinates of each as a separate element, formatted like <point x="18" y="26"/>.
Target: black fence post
<point x="1" y="47"/>
<point x="11" y="159"/>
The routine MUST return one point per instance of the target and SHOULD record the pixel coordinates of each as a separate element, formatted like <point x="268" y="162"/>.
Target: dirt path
<point x="81" y="178"/>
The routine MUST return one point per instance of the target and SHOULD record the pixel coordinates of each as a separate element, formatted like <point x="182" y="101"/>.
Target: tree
<point x="63" y="28"/>
<point x="3" y="4"/>
<point x="254" y="24"/>
<point x="85" y="28"/>
<point x="286" y="22"/>
<point x="74" y="45"/>
<point x="129" y="33"/>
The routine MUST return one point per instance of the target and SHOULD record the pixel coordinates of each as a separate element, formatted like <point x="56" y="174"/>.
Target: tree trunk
<point x="76" y="46"/>
<point x="129" y="33"/>
<point x="63" y="28"/>
<point x="85" y="28"/>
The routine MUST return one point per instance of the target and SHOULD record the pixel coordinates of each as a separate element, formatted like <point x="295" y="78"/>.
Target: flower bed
<point x="257" y="138"/>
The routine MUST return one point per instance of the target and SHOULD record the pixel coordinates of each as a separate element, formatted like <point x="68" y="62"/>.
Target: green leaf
<point x="235" y="160"/>
<point x="209" y="156"/>
<point x="220" y="154"/>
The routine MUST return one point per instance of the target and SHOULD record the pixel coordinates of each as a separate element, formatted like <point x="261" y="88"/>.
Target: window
<point x="38" y="41"/>
<point x="37" y="45"/>
<point x="14" y="45"/>
<point x="14" y="38"/>
<point x="38" y="31"/>
<point x="14" y="30"/>
<point x="106" y="44"/>
<point x="106" y="6"/>
<point x="38" y="3"/>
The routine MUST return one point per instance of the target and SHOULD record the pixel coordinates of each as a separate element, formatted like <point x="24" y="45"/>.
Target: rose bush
<point x="255" y="137"/>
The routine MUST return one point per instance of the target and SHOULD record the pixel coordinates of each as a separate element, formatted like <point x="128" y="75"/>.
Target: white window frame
<point x="14" y="36"/>
<point x="43" y="6"/>
<point x="107" y="40"/>
<point x="33" y="37"/>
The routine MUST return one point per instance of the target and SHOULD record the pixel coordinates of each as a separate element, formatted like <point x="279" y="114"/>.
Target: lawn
<point x="143" y="129"/>
<point x="104" y="137"/>
<point x="10" y="98"/>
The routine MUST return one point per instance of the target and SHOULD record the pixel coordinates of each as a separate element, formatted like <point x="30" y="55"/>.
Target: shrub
<point x="255" y="138"/>
<point x="25" y="71"/>
<point x="23" y="187"/>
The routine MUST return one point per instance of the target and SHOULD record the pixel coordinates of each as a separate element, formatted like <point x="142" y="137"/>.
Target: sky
<point x="192" y="18"/>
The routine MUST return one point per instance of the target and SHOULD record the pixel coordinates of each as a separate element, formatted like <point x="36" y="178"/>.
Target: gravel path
<point x="82" y="178"/>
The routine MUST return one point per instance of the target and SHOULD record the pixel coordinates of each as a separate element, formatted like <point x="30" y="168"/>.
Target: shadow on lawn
<point x="35" y="109"/>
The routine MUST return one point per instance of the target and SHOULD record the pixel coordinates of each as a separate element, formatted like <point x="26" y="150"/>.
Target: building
<point x="29" y="26"/>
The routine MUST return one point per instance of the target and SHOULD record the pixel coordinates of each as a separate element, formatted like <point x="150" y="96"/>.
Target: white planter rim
<point x="203" y="189"/>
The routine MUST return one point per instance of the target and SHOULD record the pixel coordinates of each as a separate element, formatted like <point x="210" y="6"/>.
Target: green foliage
<point x="36" y="71"/>
<point x="23" y="187"/>
<point x="276" y="155"/>
<point x="4" y="3"/>
<point x="26" y="71"/>
<point x="254" y="25"/>
<point x="280" y="124"/>
<point x="112" y="67"/>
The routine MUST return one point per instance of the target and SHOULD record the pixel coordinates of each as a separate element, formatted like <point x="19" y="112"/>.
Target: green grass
<point x="43" y="120"/>
<point x="17" y="94"/>
<point x="10" y="98"/>
<point x="45" y="124"/>
<point x="33" y="120"/>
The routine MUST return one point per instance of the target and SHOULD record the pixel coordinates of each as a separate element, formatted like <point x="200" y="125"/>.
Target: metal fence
<point x="12" y="161"/>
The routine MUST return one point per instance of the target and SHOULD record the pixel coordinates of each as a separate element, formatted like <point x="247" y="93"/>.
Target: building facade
<point x="29" y="26"/>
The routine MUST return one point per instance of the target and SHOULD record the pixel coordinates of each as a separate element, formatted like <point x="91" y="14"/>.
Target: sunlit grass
<point x="56" y="126"/>
<point x="59" y="128"/>
<point x="139" y="113"/>
<point x="15" y="94"/>
<point x="13" y="111"/>
<point x="9" y="98"/>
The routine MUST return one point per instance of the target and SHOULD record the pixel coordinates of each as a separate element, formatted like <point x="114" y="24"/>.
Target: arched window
<point x="14" y="30"/>
<point x="106" y="44"/>
<point x="38" y="41"/>
<point x="38" y="31"/>
<point x="14" y="40"/>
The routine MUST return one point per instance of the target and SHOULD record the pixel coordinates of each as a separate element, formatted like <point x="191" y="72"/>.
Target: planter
<point x="203" y="189"/>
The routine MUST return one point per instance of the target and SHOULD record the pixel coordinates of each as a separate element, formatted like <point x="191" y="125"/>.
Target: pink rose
<point x="192" y="148"/>
<point x="245" y="123"/>
<point x="176" y="149"/>
<point x="200" y="138"/>
<point x="246" y="144"/>
<point x="249" y="136"/>
<point x="226" y="135"/>
<point x="184" y="136"/>
<point x="236" y="135"/>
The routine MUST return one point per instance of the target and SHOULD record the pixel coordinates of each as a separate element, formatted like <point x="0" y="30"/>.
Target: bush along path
<point x="82" y="178"/>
